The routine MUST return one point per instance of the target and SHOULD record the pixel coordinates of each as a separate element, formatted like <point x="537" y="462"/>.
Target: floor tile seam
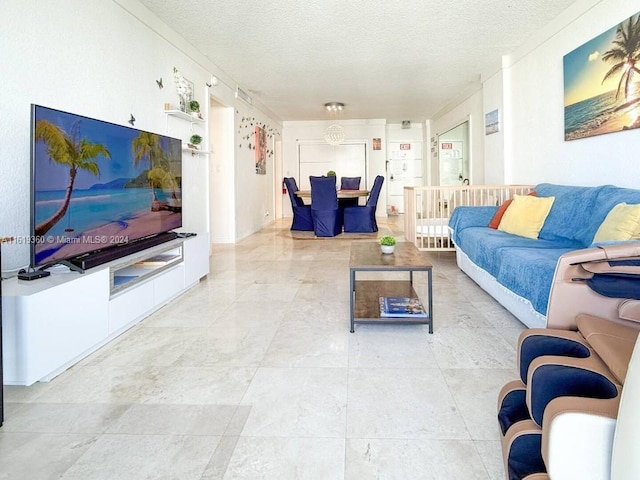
<point x="266" y="350"/>
<point x="346" y="412"/>
<point x="138" y="434"/>
<point x="429" y="437"/>
<point x="48" y="433"/>
<point x="403" y="368"/>
<point x="402" y="439"/>
<point x="458" y="409"/>
<point x="484" y="465"/>
<point x="288" y="436"/>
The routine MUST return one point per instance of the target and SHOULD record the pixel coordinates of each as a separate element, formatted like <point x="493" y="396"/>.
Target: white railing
<point x="428" y="209"/>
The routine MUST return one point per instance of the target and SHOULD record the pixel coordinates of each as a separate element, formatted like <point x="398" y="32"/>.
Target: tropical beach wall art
<point x="602" y="83"/>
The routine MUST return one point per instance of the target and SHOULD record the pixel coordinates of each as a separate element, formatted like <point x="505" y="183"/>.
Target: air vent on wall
<point x="241" y="94"/>
<point x="406" y="124"/>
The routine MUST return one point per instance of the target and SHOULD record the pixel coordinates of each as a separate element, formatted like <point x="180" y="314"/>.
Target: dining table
<point x="306" y="194"/>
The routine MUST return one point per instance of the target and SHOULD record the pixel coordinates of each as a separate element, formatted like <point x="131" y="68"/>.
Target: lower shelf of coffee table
<point x="367" y="306"/>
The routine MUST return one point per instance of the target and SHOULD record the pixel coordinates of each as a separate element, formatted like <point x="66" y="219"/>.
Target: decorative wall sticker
<point x="159" y="82"/>
<point x="247" y="130"/>
<point x="132" y="120"/>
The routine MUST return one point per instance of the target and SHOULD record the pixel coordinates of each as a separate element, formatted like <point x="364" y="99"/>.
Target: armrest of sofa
<point x="571" y="296"/>
<point x="464" y="217"/>
<point x="577" y="437"/>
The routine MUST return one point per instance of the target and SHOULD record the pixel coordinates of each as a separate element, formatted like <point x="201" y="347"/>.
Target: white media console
<point x="51" y="323"/>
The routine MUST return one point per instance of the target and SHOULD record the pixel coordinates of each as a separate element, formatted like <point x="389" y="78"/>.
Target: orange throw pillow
<point x="495" y="221"/>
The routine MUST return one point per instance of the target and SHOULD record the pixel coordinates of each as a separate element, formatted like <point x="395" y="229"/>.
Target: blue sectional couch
<point x="518" y="271"/>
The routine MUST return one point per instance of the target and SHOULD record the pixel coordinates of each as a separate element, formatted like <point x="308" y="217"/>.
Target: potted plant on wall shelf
<point x="388" y="244"/>
<point x="194" y="107"/>
<point x="195" y="141"/>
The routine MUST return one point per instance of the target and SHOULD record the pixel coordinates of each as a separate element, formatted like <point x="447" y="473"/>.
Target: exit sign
<point x="405" y="146"/>
<point x="446" y="146"/>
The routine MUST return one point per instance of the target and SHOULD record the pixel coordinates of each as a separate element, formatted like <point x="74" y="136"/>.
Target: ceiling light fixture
<point x="334" y="134"/>
<point x="334" y="106"/>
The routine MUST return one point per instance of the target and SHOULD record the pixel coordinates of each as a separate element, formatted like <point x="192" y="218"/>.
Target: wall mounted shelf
<point x="184" y="116"/>
<point x="194" y="151"/>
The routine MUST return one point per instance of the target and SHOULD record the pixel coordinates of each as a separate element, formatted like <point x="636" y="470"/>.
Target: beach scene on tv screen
<point x="97" y="184"/>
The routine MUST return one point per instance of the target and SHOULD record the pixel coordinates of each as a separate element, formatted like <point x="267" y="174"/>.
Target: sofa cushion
<point x="484" y="246"/>
<point x="528" y="272"/>
<point x="495" y="221"/>
<point x="572" y="214"/>
<point x="526" y="215"/>
<point x="621" y="223"/>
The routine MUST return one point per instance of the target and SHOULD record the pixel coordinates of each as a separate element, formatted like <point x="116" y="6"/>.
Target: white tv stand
<point x="51" y="323"/>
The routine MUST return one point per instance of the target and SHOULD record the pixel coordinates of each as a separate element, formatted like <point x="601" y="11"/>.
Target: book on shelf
<point x="391" y="307"/>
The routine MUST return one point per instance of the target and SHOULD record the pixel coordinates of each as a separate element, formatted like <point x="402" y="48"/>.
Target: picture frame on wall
<point x="492" y="122"/>
<point x="601" y="92"/>
<point x="261" y="151"/>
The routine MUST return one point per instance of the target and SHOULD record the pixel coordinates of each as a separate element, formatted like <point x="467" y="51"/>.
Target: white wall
<point x="535" y="150"/>
<point x="254" y="194"/>
<point x="101" y="59"/>
<point x="492" y="99"/>
<point x="222" y="185"/>
<point x="355" y="130"/>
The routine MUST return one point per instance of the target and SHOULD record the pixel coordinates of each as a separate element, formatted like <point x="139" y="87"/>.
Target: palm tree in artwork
<point x="69" y="150"/>
<point x="624" y="54"/>
<point x="146" y="147"/>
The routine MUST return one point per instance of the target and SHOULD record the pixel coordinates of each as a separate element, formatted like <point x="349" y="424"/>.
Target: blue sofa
<point x="520" y="272"/>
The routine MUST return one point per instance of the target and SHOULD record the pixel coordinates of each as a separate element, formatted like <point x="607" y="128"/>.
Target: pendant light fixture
<point x="334" y="134"/>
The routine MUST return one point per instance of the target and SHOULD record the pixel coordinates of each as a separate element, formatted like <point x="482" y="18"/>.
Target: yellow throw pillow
<point x="621" y="223"/>
<point x="526" y="215"/>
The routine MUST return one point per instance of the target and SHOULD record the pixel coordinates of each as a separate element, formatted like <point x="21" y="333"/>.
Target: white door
<point x="316" y="159"/>
<point x="404" y="169"/>
<point x="453" y="154"/>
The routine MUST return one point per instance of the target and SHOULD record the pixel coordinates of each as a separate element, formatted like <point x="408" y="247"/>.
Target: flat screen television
<point x="96" y="185"/>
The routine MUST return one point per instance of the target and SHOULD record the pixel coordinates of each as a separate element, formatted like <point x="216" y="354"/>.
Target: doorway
<point x="404" y="169"/>
<point x="222" y="222"/>
<point x="454" y="165"/>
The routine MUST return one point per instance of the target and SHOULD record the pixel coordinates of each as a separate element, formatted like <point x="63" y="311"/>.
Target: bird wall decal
<point x="132" y="120"/>
<point x="159" y="82"/>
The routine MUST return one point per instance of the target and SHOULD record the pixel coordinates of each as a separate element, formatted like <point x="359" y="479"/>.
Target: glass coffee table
<point x="365" y="294"/>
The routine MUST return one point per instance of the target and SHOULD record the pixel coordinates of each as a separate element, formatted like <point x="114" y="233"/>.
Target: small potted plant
<point x="194" y="106"/>
<point x="194" y="141"/>
<point x="331" y="173"/>
<point x="388" y="244"/>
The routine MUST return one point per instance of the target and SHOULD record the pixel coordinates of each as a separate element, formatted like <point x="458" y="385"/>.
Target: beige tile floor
<point x="253" y="374"/>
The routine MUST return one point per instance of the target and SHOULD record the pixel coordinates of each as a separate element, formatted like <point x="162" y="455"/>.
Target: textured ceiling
<point x="393" y="59"/>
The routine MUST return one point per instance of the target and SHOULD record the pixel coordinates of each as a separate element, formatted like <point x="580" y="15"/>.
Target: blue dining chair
<point x="327" y="217"/>
<point x="301" y="213"/>
<point x="349" y="183"/>
<point x="362" y="219"/>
